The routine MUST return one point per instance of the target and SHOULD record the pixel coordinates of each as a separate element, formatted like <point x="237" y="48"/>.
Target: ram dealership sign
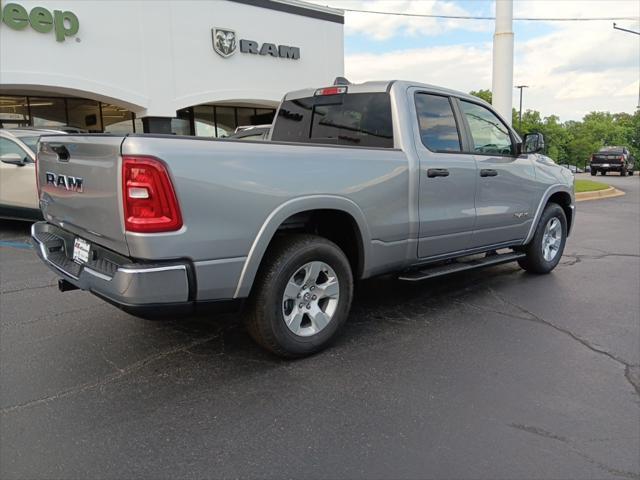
<point x="225" y="44"/>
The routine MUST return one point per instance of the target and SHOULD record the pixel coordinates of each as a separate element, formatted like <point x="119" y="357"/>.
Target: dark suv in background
<point x="612" y="159"/>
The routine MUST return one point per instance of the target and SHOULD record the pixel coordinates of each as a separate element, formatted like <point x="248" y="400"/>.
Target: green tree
<point x="574" y="142"/>
<point x="483" y="94"/>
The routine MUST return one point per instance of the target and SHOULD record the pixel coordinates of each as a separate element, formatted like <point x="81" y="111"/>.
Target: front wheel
<point x="593" y="172"/>
<point x="603" y="172"/>
<point x="545" y="249"/>
<point x="301" y="297"/>
<point x="623" y="172"/>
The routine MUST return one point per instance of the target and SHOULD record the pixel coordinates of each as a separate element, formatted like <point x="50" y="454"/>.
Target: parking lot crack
<point x="601" y="254"/>
<point x="23" y="289"/>
<point x="112" y="377"/>
<point x="630" y="370"/>
<point x="551" y="436"/>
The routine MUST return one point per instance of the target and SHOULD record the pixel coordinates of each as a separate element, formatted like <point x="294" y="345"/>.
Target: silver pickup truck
<point x="356" y="181"/>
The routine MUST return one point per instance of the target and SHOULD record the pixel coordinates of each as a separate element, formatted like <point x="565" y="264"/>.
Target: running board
<point x="455" y="267"/>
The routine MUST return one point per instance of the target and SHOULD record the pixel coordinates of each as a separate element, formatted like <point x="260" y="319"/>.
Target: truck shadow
<point x="379" y="304"/>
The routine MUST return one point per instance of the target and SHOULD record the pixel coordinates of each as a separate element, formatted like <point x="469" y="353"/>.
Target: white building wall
<point x="155" y="57"/>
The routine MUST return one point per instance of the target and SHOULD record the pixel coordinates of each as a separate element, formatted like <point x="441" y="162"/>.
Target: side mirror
<point x="533" y="143"/>
<point x="12" y="159"/>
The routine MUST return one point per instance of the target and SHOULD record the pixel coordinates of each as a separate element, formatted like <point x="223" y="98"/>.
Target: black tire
<point x="623" y="172"/>
<point x="265" y="319"/>
<point x="603" y="172"/>
<point x="534" y="262"/>
<point x="594" y="172"/>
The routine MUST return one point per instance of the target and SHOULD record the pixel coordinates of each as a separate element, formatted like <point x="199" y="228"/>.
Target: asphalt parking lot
<point x="493" y="374"/>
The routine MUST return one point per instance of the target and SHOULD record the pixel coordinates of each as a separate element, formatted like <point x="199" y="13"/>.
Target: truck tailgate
<point x="79" y="178"/>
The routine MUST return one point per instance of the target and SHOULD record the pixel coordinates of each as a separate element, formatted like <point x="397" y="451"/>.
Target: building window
<point x="84" y="114"/>
<point x="117" y="119"/>
<point x="246" y="116"/>
<point x="14" y="112"/>
<point x="222" y="121"/>
<point x="264" y="116"/>
<point x="204" y="120"/>
<point x="181" y="124"/>
<point x="96" y="117"/>
<point x="225" y="121"/>
<point x="47" y="112"/>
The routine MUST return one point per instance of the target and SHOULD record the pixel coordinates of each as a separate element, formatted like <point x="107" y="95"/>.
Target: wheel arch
<point x="561" y="195"/>
<point x="565" y="200"/>
<point x="284" y="218"/>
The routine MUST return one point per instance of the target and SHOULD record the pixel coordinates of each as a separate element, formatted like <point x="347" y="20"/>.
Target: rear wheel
<point x="623" y="172"/>
<point x="302" y="296"/>
<point x="594" y="172"/>
<point x="603" y="172"/>
<point x="545" y="249"/>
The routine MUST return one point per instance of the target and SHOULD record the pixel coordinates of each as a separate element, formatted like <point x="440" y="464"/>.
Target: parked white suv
<point x="18" y="191"/>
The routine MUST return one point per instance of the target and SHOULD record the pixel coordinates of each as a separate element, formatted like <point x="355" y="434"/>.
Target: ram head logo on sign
<point x="224" y="41"/>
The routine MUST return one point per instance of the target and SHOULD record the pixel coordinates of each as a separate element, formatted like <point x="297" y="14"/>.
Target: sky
<point x="572" y="68"/>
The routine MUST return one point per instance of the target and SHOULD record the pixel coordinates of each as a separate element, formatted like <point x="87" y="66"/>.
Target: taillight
<point x="150" y="203"/>
<point x="331" y="91"/>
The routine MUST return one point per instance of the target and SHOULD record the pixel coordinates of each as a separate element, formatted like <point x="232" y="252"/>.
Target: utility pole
<point x="635" y="33"/>
<point x="520" y="87"/>
<point x="502" y="80"/>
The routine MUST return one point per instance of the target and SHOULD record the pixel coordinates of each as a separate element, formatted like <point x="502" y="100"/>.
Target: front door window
<point x="490" y="135"/>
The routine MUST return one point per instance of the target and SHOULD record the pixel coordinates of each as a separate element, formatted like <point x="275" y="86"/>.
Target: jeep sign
<point x="224" y="44"/>
<point x="64" y="24"/>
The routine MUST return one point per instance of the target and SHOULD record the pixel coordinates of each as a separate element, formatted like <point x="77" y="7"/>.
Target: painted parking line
<point x="19" y="245"/>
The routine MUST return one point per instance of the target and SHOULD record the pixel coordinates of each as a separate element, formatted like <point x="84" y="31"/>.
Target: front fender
<point x="284" y="211"/>
<point x="543" y="202"/>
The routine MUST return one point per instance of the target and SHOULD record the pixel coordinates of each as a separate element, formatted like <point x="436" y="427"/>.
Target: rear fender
<point x="284" y="211"/>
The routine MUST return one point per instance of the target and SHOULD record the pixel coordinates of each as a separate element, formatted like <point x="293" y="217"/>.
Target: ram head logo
<point x="224" y="41"/>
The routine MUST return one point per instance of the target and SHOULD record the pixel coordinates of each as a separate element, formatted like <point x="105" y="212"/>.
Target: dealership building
<point x="200" y="67"/>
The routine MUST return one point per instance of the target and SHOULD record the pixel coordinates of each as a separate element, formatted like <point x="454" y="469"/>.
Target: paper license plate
<point x="81" y="250"/>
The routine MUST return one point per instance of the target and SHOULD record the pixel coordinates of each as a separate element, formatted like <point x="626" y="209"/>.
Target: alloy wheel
<point x="551" y="239"/>
<point x="310" y="298"/>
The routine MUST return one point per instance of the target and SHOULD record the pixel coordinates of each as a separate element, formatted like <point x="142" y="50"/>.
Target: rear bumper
<point x="137" y="287"/>
<point x="607" y="167"/>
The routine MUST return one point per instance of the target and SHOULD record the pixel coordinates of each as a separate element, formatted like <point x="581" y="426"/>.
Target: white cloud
<point x="579" y="67"/>
<point x="460" y="67"/>
<point x="383" y="27"/>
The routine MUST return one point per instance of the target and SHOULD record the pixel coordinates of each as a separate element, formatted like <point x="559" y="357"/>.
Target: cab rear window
<point x="357" y="120"/>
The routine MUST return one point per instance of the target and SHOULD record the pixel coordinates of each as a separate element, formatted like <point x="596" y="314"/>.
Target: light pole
<point x="520" y="87"/>
<point x="502" y="77"/>
<point x="635" y="33"/>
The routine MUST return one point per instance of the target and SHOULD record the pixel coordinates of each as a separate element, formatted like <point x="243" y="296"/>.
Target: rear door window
<point x="357" y="119"/>
<point x="437" y="124"/>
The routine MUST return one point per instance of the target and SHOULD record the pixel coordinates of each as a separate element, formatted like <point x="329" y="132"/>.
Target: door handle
<point x="487" y="172"/>
<point x="437" y="172"/>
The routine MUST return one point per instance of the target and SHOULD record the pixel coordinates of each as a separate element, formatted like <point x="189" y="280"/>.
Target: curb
<point x="599" y="194"/>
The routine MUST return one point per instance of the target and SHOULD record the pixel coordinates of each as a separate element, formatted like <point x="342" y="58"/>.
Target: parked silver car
<point x="356" y="181"/>
<point x="18" y="192"/>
